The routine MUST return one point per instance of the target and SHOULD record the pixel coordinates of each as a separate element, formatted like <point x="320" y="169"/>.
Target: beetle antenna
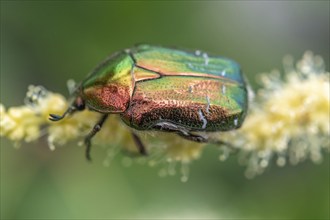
<point x="54" y="117"/>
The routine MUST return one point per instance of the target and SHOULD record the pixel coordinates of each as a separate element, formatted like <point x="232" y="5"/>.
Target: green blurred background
<point x="47" y="43"/>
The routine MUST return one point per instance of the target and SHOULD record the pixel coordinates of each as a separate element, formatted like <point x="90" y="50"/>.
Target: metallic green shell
<point x="160" y="88"/>
<point x="165" y="60"/>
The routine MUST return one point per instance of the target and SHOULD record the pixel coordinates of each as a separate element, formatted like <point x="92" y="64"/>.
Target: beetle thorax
<point x="109" y="98"/>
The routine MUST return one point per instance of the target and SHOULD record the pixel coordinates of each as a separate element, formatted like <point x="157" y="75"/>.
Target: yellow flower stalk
<point x="289" y="117"/>
<point x="288" y="120"/>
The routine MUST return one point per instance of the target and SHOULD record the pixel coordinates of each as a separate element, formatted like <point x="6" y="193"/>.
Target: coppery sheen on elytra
<point x="178" y="105"/>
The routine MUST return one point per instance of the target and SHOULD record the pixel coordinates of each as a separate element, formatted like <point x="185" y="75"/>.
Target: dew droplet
<point x="222" y="157"/>
<point x="223" y="89"/>
<point x="264" y="163"/>
<point x="236" y="121"/>
<point x="281" y="161"/>
<point x="224" y="154"/>
<point x="184" y="172"/>
<point x="197" y="52"/>
<point x="51" y="146"/>
<point x="206" y="58"/>
<point x="184" y="179"/>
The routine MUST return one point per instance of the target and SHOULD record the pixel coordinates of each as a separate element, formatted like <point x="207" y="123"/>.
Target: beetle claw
<point x="54" y="117"/>
<point x="88" y="149"/>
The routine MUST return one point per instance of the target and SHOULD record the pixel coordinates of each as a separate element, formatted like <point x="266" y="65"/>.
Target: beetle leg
<point x="201" y="139"/>
<point x="139" y="144"/>
<point x="193" y="137"/>
<point x="169" y="127"/>
<point x="97" y="127"/>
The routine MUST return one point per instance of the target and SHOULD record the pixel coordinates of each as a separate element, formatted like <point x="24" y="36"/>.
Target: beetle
<point x="164" y="89"/>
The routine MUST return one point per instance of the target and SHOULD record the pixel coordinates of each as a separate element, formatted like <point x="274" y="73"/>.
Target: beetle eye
<point x="79" y="104"/>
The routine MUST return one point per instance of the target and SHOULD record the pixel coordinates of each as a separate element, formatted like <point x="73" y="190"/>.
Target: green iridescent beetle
<point x="164" y="89"/>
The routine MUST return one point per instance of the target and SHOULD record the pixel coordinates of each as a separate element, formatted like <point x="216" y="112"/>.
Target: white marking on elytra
<point x="208" y="104"/>
<point x="236" y="121"/>
<point x="190" y="89"/>
<point x="197" y="52"/>
<point x="223" y="73"/>
<point x="223" y="89"/>
<point x="202" y="118"/>
<point x="206" y="58"/>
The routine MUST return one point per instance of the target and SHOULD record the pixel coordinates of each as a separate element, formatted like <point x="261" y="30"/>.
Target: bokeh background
<point x="48" y="42"/>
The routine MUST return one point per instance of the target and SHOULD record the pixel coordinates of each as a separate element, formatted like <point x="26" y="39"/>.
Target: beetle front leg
<point x="91" y="134"/>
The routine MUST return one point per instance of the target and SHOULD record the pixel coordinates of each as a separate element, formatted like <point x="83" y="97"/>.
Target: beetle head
<point x="79" y="103"/>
